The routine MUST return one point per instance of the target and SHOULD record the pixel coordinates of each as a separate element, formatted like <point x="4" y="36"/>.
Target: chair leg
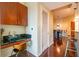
<point x="17" y="53"/>
<point x="12" y="53"/>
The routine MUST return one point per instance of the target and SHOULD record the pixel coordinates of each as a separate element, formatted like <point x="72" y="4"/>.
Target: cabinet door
<point x="72" y="29"/>
<point x="9" y="13"/>
<point x="6" y="52"/>
<point x="0" y="16"/>
<point x="23" y="15"/>
<point x="24" y="12"/>
<point x="1" y="21"/>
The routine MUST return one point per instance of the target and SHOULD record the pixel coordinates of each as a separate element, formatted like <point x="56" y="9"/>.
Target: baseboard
<point x="51" y="44"/>
<point x="31" y="53"/>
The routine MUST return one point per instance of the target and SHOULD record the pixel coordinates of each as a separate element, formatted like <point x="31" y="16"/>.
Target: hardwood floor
<point x="57" y="50"/>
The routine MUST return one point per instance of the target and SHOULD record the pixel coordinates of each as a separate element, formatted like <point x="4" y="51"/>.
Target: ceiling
<point x="59" y="10"/>
<point x="54" y="5"/>
<point x="62" y="13"/>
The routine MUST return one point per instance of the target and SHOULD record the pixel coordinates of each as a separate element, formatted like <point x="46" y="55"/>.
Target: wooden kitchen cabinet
<point x="6" y="52"/>
<point x="9" y="13"/>
<point x="22" y="14"/>
<point x="0" y="16"/>
<point x="13" y="13"/>
<point x="72" y="29"/>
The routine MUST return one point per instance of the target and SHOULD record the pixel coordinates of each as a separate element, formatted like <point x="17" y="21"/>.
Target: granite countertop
<point x="16" y="38"/>
<point x="14" y="43"/>
<point x="1" y="43"/>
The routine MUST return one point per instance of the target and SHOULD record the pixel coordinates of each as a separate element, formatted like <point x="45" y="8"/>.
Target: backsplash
<point x="13" y="29"/>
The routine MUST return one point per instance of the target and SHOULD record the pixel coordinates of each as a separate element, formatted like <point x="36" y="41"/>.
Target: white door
<point x="44" y="30"/>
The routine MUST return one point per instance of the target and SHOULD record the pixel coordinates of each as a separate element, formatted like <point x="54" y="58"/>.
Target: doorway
<point x="45" y="36"/>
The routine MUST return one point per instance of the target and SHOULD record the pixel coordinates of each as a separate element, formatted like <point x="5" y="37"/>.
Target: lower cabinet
<point x="6" y="52"/>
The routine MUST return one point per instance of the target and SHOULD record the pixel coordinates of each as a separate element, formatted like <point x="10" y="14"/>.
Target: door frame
<point x="44" y="10"/>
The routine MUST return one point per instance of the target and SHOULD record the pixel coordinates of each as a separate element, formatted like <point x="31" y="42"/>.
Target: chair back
<point x="21" y="46"/>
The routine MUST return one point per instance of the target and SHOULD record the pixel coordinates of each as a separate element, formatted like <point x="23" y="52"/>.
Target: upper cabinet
<point x="13" y="13"/>
<point x="9" y="13"/>
<point x="23" y="14"/>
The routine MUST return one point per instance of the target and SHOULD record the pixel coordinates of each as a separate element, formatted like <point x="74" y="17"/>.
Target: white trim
<point x="44" y="9"/>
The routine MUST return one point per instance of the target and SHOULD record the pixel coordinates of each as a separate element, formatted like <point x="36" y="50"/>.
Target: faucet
<point x="2" y="30"/>
<point x="14" y="33"/>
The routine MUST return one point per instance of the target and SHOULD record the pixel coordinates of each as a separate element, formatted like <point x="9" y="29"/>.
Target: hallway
<point x="59" y="50"/>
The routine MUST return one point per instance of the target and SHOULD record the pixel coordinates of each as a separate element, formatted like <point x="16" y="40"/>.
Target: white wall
<point x="77" y="19"/>
<point x="77" y="25"/>
<point x="51" y="28"/>
<point x="35" y="22"/>
<point x="13" y="28"/>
